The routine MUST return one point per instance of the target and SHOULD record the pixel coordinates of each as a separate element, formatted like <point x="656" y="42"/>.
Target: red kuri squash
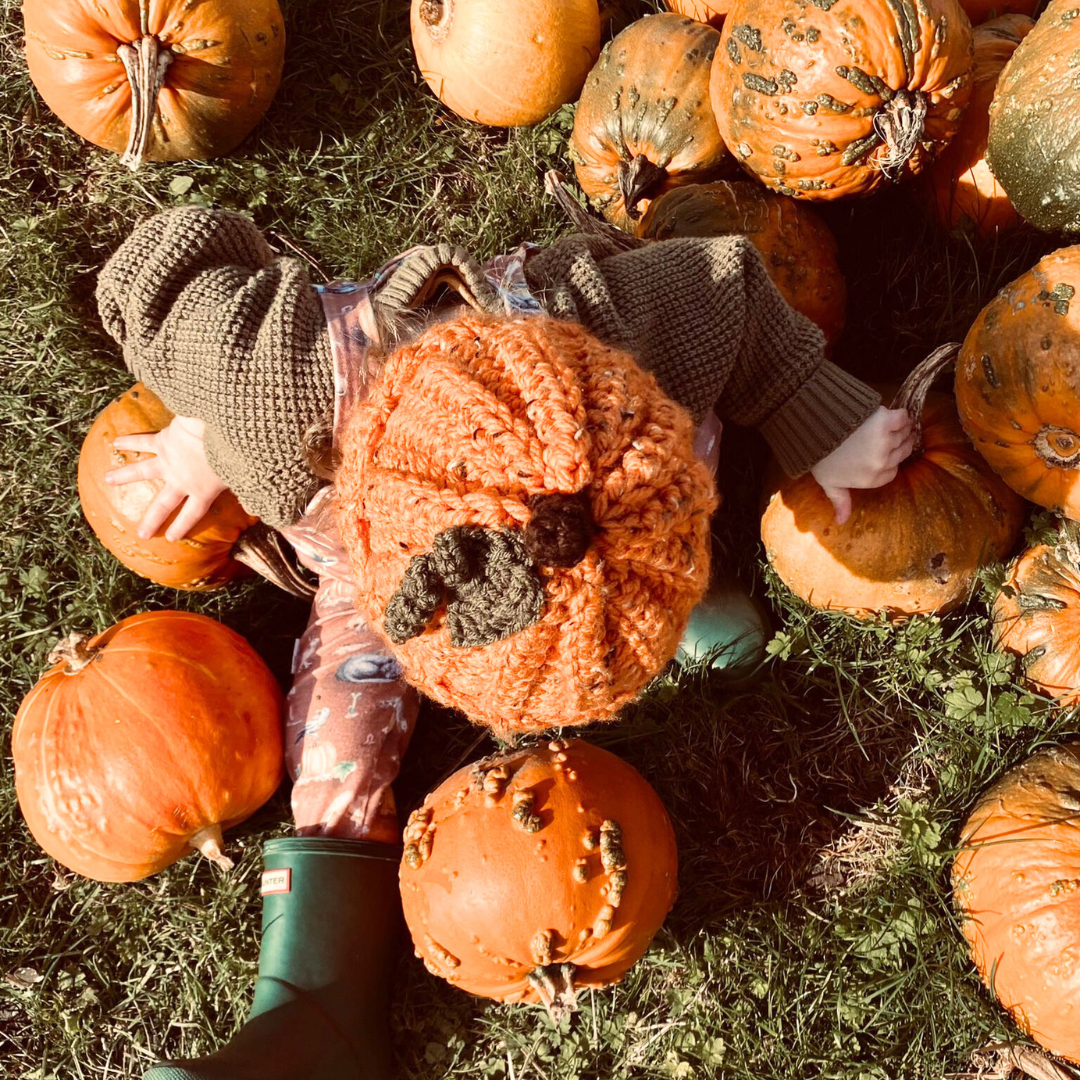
<point x="145" y="742"/>
<point x="535" y="872"/>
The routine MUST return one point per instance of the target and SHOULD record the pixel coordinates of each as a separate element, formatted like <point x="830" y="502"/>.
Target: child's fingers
<point x="901" y="451"/>
<point x="146" y="443"/>
<point x="190" y="515"/>
<point x="147" y="469"/>
<point x="897" y="420"/>
<point x="840" y="497"/>
<point x="164" y="503"/>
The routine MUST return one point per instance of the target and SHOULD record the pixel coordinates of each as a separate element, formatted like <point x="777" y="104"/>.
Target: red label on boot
<point x="276" y="881"/>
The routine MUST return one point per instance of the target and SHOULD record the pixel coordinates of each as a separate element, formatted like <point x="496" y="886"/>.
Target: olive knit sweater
<point x="223" y="330"/>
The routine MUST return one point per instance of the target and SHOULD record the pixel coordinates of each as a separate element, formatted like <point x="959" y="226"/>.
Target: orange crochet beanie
<point x="526" y="519"/>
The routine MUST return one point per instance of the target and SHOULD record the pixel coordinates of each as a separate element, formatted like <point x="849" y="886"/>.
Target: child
<point x="526" y="423"/>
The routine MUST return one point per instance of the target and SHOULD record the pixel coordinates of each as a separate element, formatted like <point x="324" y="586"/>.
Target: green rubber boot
<point x="331" y="914"/>
<point x="727" y="630"/>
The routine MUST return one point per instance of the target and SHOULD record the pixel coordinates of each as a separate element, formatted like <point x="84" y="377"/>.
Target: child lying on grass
<point x="517" y="524"/>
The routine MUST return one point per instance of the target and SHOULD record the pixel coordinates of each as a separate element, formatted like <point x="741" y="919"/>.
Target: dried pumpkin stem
<point x="263" y="550"/>
<point x="900" y="123"/>
<point x="554" y="985"/>
<point x="145" y="63"/>
<point x="583" y="221"/>
<point x="639" y="179"/>
<point x="912" y="394"/>
<point x="209" y="841"/>
<point x="436" y="16"/>
<point x="73" y="652"/>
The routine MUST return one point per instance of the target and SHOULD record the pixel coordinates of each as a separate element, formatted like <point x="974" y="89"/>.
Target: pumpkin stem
<point x="263" y="550"/>
<point x="436" y="16"/>
<point x="583" y="221"/>
<point x="73" y="652"/>
<point x="912" y="394"/>
<point x="639" y="179"/>
<point x="554" y="985"/>
<point x="145" y="64"/>
<point x="900" y="123"/>
<point x="209" y="841"/>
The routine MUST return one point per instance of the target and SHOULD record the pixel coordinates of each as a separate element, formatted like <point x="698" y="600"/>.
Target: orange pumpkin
<point x="979" y="11"/>
<point x="201" y="560"/>
<point x="644" y="123"/>
<point x="1037" y="616"/>
<point x="156" y="82"/>
<point x="910" y="547"/>
<point x="960" y="184"/>
<point x="146" y="742"/>
<point x="505" y="62"/>
<point x="826" y="100"/>
<point x="1018" y="383"/>
<point x="535" y="872"/>
<point x="1016" y="882"/>
<point x="796" y="245"/>
<point x="710" y="11"/>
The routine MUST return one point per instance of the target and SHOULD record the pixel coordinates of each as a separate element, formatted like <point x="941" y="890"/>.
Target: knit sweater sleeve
<point x="222" y="330"/>
<point x="703" y="315"/>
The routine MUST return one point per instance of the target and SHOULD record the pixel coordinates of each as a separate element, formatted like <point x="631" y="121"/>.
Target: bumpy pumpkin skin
<point x="1037" y="617"/>
<point x="798" y="249"/>
<point x="910" y="547"/>
<point x="960" y="184"/>
<point x="1016" y="882"/>
<point x="172" y="731"/>
<point x="202" y="560"/>
<point x="1018" y="383"/>
<point x="509" y="868"/>
<point x="226" y="61"/>
<point x="802" y="92"/>
<point x="710" y="11"/>
<point x="644" y="123"/>
<point x="505" y="63"/>
<point x="1032" y="146"/>
<point x="980" y="11"/>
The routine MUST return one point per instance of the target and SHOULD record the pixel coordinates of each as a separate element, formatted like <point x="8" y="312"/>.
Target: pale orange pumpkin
<point x="144" y="742"/>
<point x="1016" y="883"/>
<point x="160" y="81"/>
<point x="1018" y="383"/>
<point x="710" y="11"/>
<point x="796" y="246"/>
<point x="1037" y="616"/>
<point x="960" y="184"/>
<point x="910" y="547"/>
<point x="505" y="62"/>
<point x="840" y="98"/>
<point x="535" y="872"/>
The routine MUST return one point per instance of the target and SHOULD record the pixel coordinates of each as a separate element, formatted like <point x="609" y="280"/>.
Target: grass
<point x="815" y="811"/>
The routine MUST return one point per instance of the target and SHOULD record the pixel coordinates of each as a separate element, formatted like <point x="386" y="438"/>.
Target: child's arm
<point x="227" y="334"/>
<point x="703" y="315"/>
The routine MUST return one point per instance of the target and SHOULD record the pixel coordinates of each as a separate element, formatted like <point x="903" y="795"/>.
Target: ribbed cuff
<point x="818" y="417"/>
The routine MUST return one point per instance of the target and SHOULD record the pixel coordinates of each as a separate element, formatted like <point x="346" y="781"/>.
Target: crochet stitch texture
<point x="465" y="427"/>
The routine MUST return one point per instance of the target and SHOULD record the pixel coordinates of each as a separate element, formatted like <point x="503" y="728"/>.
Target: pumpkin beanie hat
<point x="526" y="518"/>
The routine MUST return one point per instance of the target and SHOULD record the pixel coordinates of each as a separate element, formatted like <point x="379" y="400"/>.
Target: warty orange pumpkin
<point x="505" y="62"/>
<point x="644" y="123"/>
<point x="144" y="742"/>
<point x="227" y="543"/>
<point x="160" y="81"/>
<point x="797" y="247"/>
<point x="835" y="98"/>
<point x="1016" y="883"/>
<point x="960" y="184"/>
<point x="910" y="547"/>
<point x="1018" y="383"/>
<point x="535" y="872"/>
<point x="1037" y="616"/>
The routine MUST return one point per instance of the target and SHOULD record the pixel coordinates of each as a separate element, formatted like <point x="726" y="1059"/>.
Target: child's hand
<point x="180" y="460"/>
<point x="867" y="458"/>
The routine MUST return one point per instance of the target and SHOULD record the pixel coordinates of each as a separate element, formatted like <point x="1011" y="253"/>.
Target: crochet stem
<point x="145" y="63"/>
